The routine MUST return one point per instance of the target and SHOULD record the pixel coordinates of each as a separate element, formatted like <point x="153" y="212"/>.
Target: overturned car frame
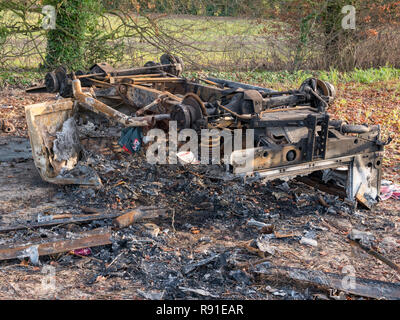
<point x="294" y="135"/>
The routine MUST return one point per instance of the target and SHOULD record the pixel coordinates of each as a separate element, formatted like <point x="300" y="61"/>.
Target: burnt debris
<point x="287" y="134"/>
<point x="255" y="225"/>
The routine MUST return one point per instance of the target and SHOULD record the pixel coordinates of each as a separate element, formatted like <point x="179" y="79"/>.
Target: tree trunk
<point x="66" y="43"/>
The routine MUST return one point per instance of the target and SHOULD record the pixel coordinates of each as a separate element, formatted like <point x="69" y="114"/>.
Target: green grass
<point x="279" y="79"/>
<point x="270" y="79"/>
<point x="20" y="78"/>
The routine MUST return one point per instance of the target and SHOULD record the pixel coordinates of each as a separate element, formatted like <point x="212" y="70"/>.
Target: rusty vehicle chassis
<point x="294" y="134"/>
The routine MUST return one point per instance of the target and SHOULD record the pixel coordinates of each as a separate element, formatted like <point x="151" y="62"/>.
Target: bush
<point x="78" y="40"/>
<point x="319" y="40"/>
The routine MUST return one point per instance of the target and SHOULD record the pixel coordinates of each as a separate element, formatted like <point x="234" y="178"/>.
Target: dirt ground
<point x="205" y="247"/>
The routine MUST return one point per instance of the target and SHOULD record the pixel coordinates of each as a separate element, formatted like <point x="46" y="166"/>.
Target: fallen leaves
<point x="101" y="279"/>
<point x="375" y="103"/>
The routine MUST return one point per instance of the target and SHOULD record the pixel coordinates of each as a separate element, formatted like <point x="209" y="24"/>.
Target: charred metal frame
<point x="294" y="134"/>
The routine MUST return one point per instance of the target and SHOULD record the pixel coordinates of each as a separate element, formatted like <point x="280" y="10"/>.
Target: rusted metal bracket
<point x="6" y="126"/>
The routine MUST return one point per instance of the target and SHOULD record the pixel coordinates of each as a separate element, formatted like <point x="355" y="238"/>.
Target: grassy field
<point x="214" y="42"/>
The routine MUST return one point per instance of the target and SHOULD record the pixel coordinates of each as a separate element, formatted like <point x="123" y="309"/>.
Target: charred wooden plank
<point x="57" y="220"/>
<point x="136" y="215"/>
<point x="360" y="286"/>
<point x="61" y="219"/>
<point x="42" y="247"/>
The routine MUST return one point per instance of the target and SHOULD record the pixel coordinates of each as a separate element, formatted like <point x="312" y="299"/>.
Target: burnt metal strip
<point x="97" y="237"/>
<point x="323" y="141"/>
<point x="363" y="287"/>
<point x="311" y="123"/>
